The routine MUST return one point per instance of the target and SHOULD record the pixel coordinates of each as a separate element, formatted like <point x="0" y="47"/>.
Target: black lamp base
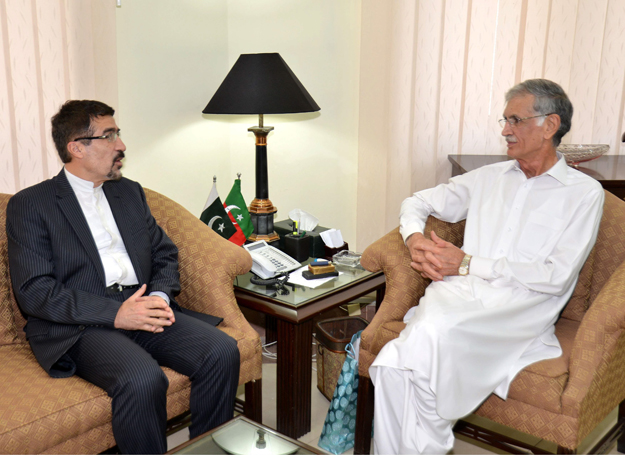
<point x="263" y="227"/>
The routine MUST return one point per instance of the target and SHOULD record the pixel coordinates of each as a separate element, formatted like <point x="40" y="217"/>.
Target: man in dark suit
<point x="97" y="279"/>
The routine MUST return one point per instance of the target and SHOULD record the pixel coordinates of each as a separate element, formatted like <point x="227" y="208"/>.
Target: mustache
<point x="120" y="156"/>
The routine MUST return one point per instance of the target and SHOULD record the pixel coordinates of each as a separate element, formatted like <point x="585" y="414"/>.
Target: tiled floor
<point x="320" y="405"/>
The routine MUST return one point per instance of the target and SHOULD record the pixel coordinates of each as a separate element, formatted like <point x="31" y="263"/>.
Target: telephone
<point x="268" y="261"/>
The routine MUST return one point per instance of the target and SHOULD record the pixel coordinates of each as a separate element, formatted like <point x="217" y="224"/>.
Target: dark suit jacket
<point x="56" y="270"/>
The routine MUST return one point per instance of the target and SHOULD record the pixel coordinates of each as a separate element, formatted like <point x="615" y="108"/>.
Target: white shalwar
<point x="469" y="336"/>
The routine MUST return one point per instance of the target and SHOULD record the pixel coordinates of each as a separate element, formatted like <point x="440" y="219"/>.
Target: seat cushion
<point x="38" y="412"/>
<point x="540" y="384"/>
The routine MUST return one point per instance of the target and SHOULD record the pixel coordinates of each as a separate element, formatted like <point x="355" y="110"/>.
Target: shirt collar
<point x="558" y="171"/>
<point x="80" y="185"/>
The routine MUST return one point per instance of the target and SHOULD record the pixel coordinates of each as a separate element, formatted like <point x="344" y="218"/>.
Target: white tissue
<point x="332" y="238"/>
<point x="305" y="221"/>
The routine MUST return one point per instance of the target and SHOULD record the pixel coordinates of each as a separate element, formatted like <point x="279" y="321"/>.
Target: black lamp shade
<point x="260" y="84"/>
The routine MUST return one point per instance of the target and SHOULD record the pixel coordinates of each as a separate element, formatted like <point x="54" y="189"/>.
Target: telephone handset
<point x="269" y="261"/>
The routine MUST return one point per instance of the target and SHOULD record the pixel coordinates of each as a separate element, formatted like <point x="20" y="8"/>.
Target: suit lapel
<point x="68" y="204"/>
<point x="122" y="218"/>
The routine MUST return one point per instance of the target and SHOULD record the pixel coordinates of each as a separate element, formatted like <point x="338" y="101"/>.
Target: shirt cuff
<point x="482" y="268"/>
<point x="407" y="231"/>
<point x="162" y="295"/>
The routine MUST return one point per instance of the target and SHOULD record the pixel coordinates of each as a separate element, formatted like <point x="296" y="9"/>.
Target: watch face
<point x="463" y="271"/>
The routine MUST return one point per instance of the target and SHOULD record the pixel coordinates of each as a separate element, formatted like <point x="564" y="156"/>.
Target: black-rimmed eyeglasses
<point x="111" y="137"/>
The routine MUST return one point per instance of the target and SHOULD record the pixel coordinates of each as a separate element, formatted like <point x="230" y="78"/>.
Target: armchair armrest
<point x="598" y="355"/>
<point x="404" y="285"/>
<point x="208" y="264"/>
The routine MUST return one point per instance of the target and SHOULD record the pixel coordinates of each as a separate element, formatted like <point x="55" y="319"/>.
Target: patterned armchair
<point x="39" y="414"/>
<point x="560" y="400"/>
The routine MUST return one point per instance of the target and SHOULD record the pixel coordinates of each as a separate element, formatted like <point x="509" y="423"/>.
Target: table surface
<point x="239" y="432"/>
<point x="606" y="168"/>
<point x="302" y="295"/>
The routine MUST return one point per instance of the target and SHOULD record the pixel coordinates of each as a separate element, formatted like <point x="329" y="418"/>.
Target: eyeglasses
<point x="514" y="121"/>
<point x="111" y="137"/>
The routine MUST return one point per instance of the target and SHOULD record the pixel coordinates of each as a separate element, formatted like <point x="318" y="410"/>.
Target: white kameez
<point x="469" y="336"/>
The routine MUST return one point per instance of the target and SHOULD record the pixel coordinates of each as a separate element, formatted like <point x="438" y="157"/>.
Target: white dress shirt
<point x="118" y="268"/>
<point x="529" y="238"/>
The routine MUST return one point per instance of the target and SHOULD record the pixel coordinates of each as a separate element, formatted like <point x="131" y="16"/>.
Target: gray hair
<point x="549" y="98"/>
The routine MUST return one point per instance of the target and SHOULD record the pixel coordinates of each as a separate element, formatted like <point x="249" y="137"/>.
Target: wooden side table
<point x="294" y="315"/>
<point x="609" y="170"/>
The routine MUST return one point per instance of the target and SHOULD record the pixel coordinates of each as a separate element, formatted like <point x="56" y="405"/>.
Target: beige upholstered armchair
<point x="39" y="414"/>
<point x="560" y="400"/>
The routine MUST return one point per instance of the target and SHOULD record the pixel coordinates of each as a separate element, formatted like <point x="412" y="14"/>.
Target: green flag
<point x="236" y="208"/>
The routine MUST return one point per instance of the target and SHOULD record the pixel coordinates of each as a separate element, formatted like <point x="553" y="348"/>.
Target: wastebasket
<point x="332" y="336"/>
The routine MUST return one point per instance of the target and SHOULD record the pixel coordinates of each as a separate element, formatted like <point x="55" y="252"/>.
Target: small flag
<point x="237" y="210"/>
<point x="215" y="216"/>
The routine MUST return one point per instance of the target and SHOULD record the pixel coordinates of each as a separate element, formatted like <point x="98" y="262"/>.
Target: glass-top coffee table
<point x="293" y="316"/>
<point x="241" y="436"/>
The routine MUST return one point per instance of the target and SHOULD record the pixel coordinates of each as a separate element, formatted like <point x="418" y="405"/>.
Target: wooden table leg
<point x="294" y="377"/>
<point x="270" y="329"/>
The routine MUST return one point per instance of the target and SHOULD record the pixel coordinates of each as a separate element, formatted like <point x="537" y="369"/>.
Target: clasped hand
<point x="434" y="258"/>
<point x="150" y="313"/>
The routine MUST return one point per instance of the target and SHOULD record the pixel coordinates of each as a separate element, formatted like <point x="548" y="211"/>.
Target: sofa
<point x="40" y="414"/>
<point x="559" y="400"/>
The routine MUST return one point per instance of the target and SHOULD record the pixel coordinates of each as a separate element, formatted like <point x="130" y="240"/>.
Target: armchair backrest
<point x="11" y="320"/>
<point x="605" y="257"/>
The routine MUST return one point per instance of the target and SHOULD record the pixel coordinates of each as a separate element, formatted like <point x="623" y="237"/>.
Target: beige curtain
<point x="433" y="77"/>
<point x="51" y="51"/>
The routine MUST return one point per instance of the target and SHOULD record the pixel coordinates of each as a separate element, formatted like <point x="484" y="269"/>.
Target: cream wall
<point x="172" y="56"/>
<point x="433" y="77"/>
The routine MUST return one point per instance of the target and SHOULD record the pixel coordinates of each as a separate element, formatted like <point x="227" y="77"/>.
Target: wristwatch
<point x="464" y="265"/>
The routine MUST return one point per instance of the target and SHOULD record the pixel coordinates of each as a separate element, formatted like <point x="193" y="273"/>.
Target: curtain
<point x="434" y="74"/>
<point x="51" y="51"/>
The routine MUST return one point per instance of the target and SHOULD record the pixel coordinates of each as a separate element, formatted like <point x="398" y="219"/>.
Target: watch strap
<point x="464" y="265"/>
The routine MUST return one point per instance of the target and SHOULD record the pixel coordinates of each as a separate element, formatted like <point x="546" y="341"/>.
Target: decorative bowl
<point x="578" y="153"/>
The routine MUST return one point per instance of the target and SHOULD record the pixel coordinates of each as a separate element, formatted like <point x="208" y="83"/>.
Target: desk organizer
<point x="297" y="247"/>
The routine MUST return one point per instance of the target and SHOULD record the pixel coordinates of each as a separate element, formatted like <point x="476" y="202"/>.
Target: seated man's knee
<point x="144" y="381"/>
<point x="224" y="354"/>
<point x="229" y="353"/>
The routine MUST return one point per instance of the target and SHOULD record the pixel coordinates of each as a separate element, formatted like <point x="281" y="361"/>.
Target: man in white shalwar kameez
<point x="492" y="305"/>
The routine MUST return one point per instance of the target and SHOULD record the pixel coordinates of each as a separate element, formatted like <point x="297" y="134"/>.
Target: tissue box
<point x="317" y="250"/>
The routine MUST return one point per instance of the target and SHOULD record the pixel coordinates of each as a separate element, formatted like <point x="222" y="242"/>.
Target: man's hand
<point x="422" y="257"/>
<point x="434" y="258"/>
<point x="149" y="313"/>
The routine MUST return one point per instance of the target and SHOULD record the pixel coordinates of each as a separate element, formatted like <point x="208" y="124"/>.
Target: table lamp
<point x="261" y="84"/>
